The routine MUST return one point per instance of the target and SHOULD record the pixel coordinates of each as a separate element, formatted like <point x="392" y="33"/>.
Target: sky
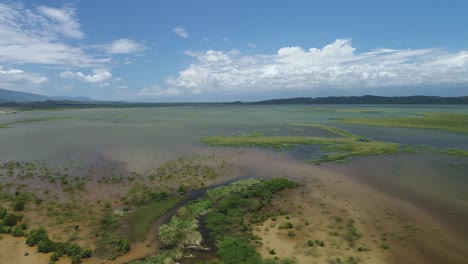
<point x="223" y="50"/>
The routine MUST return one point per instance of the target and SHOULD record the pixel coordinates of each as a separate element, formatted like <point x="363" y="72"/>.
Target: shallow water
<point x="135" y="140"/>
<point x="141" y="134"/>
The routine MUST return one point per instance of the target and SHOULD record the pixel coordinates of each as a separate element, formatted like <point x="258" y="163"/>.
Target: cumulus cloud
<point x="98" y="76"/>
<point x="181" y="32"/>
<point x="121" y="46"/>
<point x="39" y="36"/>
<point x="336" y="65"/>
<point x="19" y="80"/>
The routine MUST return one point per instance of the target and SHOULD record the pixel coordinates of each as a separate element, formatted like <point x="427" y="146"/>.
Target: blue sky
<point x="233" y="50"/>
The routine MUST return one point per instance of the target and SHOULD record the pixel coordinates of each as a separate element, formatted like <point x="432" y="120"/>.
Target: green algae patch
<point x="443" y="121"/>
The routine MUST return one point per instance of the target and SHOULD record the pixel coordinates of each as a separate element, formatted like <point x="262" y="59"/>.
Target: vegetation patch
<point x="455" y="152"/>
<point x="335" y="149"/>
<point x="140" y="218"/>
<point x="38" y="237"/>
<point x="444" y="121"/>
<point x="224" y="210"/>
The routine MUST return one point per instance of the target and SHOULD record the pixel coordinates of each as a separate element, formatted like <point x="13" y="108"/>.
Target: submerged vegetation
<point x="349" y="145"/>
<point x="42" y="119"/>
<point x="443" y="121"/>
<point x="335" y="149"/>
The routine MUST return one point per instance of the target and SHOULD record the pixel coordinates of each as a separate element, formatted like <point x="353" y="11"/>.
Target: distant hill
<point x="13" y="96"/>
<point x="369" y="99"/>
<point x="71" y="98"/>
<point x="34" y="101"/>
<point x="22" y="97"/>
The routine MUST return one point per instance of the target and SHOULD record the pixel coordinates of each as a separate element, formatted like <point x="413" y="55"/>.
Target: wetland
<point x="235" y="184"/>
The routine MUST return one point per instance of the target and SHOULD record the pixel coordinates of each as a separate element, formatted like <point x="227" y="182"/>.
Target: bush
<point x="237" y="250"/>
<point x="54" y="257"/>
<point x="18" y="205"/>
<point x="72" y="249"/>
<point x="17" y="231"/>
<point x="35" y="236"/>
<point x="10" y="220"/>
<point x="123" y="245"/>
<point x="76" y="259"/>
<point x="45" y="246"/>
<point x="3" y="212"/>
<point x="287" y="225"/>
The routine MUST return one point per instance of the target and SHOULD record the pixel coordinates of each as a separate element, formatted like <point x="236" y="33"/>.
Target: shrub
<point x="123" y="245"/>
<point x="18" y="205"/>
<point x="286" y="225"/>
<point x="45" y="246"/>
<point x="35" y="236"/>
<point x="54" y="257"/>
<point x="17" y="231"/>
<point x="237" y="250"/>
<point x="10" y="220"/>
<point x="3" y="212"/>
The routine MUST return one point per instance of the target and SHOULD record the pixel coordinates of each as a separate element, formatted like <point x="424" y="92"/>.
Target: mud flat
<point x="356" y="219"/>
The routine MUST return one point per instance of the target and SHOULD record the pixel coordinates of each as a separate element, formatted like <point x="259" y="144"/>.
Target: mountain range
<point x="13" y="98"/>
<point x="22" y="97"/>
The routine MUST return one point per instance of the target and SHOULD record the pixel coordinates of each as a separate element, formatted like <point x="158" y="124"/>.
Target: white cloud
<point x="121" y="46"/>
<point x="252" y="45"/>
<point x="38" y="36"/>
<point x="98" y="76"/>
<point x="158" y="91"/>
<point x="336" y="65"/>
<point x="62" y="21"/>
<point x="17" y="79"/>
<point x="181" y="32"/>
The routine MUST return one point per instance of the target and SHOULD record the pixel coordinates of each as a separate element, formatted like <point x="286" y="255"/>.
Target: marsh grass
<point x="140" y="218"/>
<point x="334" y="149"/>
<point x="443" y="121"/>
<point x="455" y="152"/>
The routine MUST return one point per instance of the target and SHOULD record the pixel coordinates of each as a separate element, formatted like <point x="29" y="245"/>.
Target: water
<point x="138" y="140"/>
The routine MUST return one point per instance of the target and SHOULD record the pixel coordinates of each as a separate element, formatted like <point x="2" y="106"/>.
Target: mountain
<point x="71" y="98"/>
<point x="22" y="97"/>
<point x="13" y="96"/>
<point x="370" y="99"/>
